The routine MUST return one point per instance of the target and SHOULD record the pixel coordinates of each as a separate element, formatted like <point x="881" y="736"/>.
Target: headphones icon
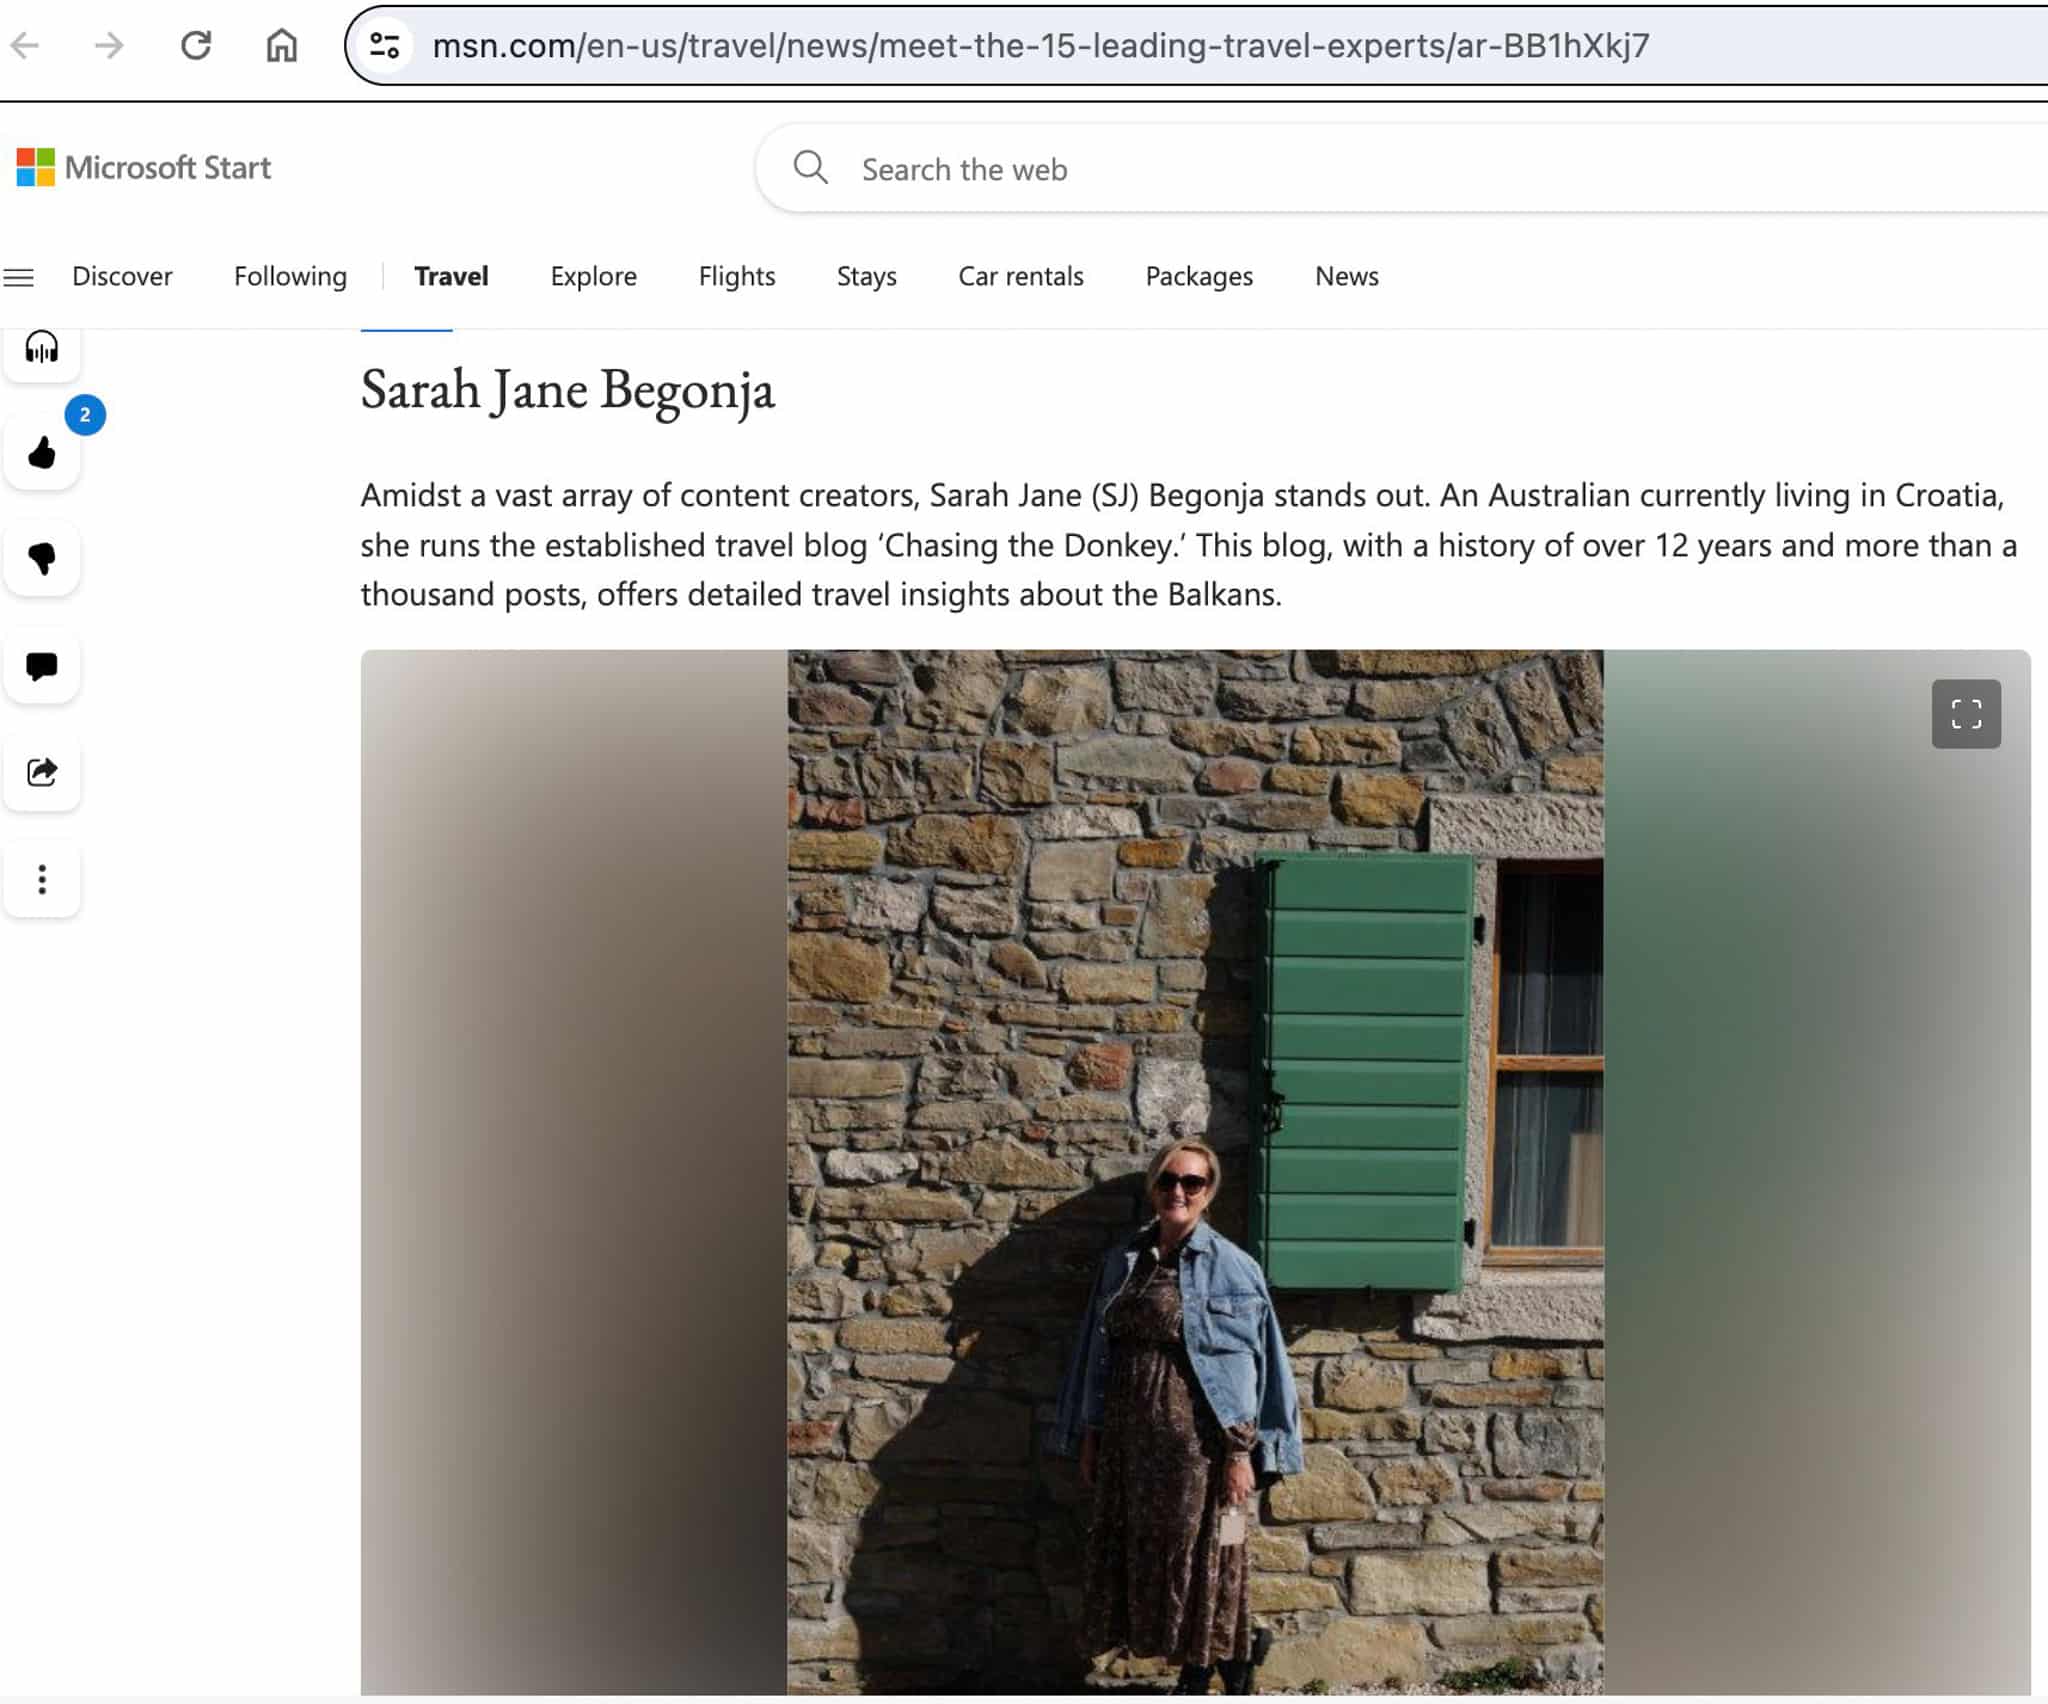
<point x="40" y="346"/>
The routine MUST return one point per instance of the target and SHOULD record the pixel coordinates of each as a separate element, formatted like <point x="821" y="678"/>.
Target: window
<point x="1546" y="1161"/>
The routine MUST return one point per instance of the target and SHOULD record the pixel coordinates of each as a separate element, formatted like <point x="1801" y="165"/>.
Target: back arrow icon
<point x="22" y="46"/>
<point x="111" y="46"/>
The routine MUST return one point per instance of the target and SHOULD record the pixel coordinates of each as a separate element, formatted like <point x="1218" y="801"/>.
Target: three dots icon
<point x="40" y="881"/>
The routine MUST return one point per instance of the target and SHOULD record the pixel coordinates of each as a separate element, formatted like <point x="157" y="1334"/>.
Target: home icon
<point x="281" y="47"/>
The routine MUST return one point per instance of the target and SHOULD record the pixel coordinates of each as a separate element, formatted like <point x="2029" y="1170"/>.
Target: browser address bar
<point x="1202" y="45"/>
<point x="1535" y="166"/>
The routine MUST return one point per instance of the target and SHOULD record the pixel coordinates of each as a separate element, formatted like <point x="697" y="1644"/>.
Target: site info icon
<point x="35" y="168"/>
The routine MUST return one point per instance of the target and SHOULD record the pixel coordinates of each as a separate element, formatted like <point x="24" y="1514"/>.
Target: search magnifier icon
<point x="810" y="164"/>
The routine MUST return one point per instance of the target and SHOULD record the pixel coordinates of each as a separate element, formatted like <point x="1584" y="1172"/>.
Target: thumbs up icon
<point x="37" y="454"/>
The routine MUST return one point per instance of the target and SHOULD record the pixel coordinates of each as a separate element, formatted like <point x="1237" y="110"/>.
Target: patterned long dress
<point x="1158" y="1583"/>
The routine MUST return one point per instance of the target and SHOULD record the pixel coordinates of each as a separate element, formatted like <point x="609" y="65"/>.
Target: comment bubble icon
<point x="41" y="666"/>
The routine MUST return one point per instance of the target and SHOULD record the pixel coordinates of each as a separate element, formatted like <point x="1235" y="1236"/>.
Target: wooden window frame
<point x="1496" y="1062"/>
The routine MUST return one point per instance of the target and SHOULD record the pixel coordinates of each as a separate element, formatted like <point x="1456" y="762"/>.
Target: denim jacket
<point x="1233" y="1341"/>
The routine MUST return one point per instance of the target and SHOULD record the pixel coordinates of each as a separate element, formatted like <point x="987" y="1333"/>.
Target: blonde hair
<point x="1186" y="1145"/>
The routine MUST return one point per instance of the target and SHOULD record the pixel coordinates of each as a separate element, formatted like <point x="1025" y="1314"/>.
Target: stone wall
<point x="1021" y="950"/>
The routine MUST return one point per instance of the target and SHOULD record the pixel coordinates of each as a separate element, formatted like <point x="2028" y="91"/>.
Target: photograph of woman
<point x="1180" y="1403"/>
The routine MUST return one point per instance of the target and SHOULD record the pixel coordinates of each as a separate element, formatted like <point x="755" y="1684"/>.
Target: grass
<point x="1510" y="1674"/>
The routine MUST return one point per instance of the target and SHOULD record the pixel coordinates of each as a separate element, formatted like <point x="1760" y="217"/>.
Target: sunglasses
<point x="1188" y="1183"/>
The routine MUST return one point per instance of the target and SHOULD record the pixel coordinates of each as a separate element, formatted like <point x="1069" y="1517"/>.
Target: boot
<point x="1240" y="1673"/>
<point x="1194" y="1679"/>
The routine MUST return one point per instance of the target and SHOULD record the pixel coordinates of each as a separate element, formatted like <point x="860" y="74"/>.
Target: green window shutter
<point x="1359" y="1173"/>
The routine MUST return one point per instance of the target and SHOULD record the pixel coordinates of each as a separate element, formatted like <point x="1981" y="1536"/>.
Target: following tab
<point x="332" y="278"/>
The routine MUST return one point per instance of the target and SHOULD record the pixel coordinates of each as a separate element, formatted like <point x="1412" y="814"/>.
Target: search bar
<point x="1529" y="166"/>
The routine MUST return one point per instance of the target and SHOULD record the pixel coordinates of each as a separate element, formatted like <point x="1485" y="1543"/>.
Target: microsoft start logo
<point x="35" y="168"/>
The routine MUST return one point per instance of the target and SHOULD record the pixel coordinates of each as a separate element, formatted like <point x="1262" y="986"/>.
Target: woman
<point x="1179" y="1401"/>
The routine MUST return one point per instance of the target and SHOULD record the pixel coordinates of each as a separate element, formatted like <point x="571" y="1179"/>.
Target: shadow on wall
<point x="967" y="1571"/>
<point x="968" y="1562"/>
